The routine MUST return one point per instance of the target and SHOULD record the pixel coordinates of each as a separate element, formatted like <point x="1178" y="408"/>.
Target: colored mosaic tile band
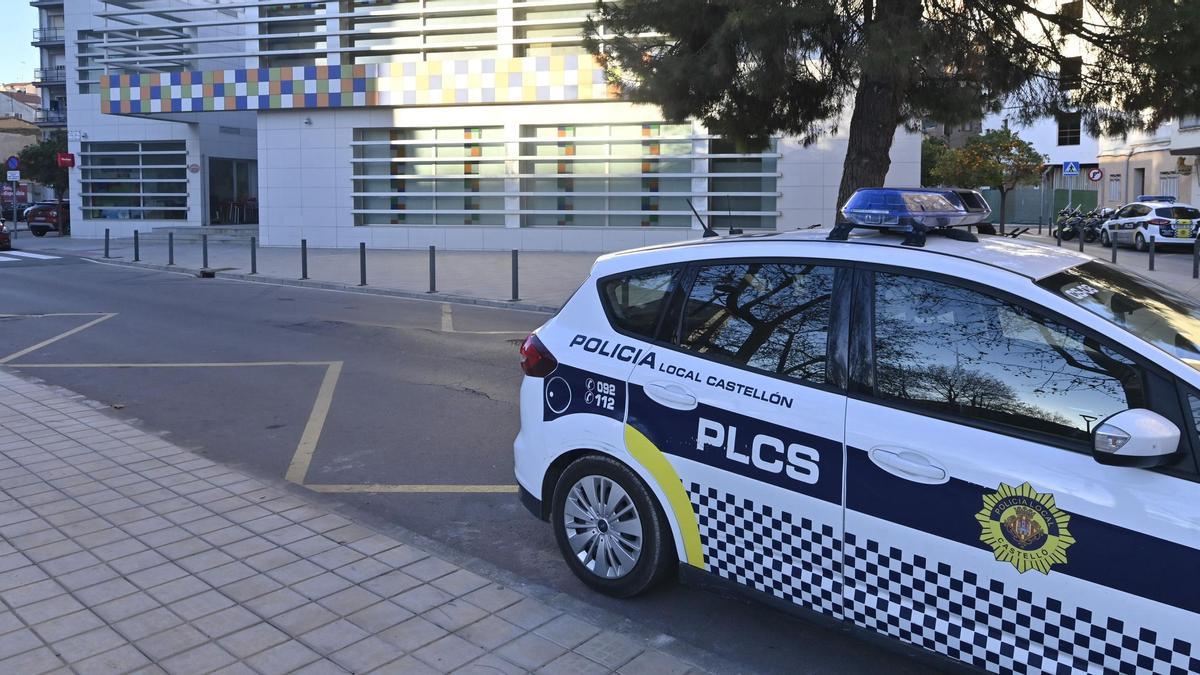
<point x="462" y="82"/>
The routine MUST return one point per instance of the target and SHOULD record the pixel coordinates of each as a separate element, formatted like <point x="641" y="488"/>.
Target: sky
<point x="18" y="58"/>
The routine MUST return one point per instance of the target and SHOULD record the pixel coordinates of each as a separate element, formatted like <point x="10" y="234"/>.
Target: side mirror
<point x="1135" y="437"/>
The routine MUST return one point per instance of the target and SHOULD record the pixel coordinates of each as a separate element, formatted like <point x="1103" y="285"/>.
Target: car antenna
<point x="708" y="231"/>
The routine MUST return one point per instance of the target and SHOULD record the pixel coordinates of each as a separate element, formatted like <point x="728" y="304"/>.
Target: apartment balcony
<point x="46" y="3"/>
<point x="49" y="118"/>
<point x="43" y="37"/>
<point x="49" y="76"/>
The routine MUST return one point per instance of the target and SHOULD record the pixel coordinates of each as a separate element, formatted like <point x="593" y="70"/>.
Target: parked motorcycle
<point x="1069" y="223"/>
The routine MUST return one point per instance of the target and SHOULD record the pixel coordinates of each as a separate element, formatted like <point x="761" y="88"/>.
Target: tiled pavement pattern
<point x="120" y="552"/>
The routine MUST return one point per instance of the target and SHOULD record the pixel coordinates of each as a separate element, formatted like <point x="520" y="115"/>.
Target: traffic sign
<point x="1070" y="168"/>
<point x="1095" y="175"/>
<point x="13" y="163"/>
<point x="14" y="176"/>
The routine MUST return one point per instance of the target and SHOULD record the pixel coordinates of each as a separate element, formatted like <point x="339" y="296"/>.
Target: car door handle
<point x="670" y="395"/>
<point x="908" y="464"/>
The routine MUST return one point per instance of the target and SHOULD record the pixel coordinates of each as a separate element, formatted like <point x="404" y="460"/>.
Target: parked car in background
<point x="44" y="218"/>
<point x="25" y="209"/>
<point x="1168" y="221"/>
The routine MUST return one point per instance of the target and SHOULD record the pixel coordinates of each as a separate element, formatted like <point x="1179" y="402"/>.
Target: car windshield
<point x="1177" y="212"/>
<point x="1164" y="318"/>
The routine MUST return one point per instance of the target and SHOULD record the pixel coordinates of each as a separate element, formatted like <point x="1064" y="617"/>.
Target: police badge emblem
<point x="1025" y="528"/>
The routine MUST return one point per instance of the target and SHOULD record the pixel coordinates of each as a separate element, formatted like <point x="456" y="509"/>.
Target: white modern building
<point x="401" y="123"/>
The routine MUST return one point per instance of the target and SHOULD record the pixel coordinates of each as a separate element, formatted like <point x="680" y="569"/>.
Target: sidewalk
<point x="121" y="552"/>
<point x="546" y="280"/>
<point x="1172" y="264"/>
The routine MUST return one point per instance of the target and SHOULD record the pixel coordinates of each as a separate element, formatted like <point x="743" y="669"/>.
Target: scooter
<point x="1071" y="225"/>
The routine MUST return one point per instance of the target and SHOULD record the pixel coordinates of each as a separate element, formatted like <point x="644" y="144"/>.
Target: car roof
<point x="1156" y="205"/>
<point x="1023" y="257"/>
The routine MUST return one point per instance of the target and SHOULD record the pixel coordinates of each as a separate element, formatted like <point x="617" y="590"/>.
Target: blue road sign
<point x="1070" y="168"/>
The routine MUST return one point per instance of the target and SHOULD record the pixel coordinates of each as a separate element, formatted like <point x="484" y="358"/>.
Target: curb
<point x="334" y="286"/>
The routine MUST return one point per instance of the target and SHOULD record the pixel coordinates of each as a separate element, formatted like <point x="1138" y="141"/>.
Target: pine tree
<point x="750" y="69"/>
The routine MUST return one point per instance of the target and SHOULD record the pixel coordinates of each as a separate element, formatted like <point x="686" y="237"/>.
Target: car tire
<point x="593" y="548"/>
<point x="37" y="232"/>
<point x="1105" y="241"/>
<point x="1139" y="243"/>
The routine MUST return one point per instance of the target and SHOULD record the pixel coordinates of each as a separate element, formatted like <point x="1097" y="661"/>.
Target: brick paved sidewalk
<point x="120" y="552"/>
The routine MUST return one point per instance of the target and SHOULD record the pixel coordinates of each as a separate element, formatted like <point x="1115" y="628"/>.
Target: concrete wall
<point x="305" y="185"/>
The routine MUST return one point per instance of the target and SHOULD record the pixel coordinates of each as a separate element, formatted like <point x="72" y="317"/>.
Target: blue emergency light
<point x="912" y="211"/>
<point x="1155" y="198"/>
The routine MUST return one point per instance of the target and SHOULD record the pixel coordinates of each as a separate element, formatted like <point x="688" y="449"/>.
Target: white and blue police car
<point x="985" y="448"/>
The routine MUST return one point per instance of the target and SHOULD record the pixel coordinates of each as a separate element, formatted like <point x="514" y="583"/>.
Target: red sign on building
<point x="65" y="160"/>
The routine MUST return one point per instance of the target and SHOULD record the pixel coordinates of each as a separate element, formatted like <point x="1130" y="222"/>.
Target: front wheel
<point x="37" y="232"/>
<point x="1139" y="243"/>
<point x="610" y="528"/>
<point x="1105" y="241"/>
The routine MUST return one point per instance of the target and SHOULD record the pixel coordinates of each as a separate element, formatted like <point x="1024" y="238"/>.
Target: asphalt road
<point x="426" y="396"/>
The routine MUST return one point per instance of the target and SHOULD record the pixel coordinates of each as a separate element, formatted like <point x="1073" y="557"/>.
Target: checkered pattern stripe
<point x="768" y="549"/>
<point x="465" y="81"/>
<point x="911" y="598"/>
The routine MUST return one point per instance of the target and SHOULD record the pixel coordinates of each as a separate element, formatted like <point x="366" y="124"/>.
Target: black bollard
<point x="137" y="249"/>
<point x="515" y="279"/>
<point x="106" y="243"/>
<point x="433" y="269"/>
<point x="204" y="251"/>
<point x="1152" y="253"/>
<point x="362" y="263"/>
<point x="303" y="258"/>
<point x="170" y="248"/>
<point x="253" y="255"/>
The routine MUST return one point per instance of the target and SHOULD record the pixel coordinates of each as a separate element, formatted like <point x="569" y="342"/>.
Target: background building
<point x="401" y="123"/>
<point x="1162" y="162"/>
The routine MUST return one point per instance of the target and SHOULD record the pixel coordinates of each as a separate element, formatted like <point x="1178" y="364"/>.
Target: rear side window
<point x="1185" y="212"/>
<point x="772" y="317"/>
<point x="636" y="300"/>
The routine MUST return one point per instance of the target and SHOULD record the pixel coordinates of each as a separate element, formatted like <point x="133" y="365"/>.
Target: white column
<point x="699" y="165"/>
<point x="504" y="29"/>
<point x="332" y="42"/>
<point x="512" y="167"/>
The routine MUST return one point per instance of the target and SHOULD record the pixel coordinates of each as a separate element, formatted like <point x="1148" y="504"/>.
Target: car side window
<point x="1123" y="213"/>
<point x="772" y="317"/>
<point x="1141" y="210"/>
<point x="959" y="352"/>
<point x="636" y="300"/>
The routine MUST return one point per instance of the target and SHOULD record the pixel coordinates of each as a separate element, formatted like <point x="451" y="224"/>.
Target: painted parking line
<point x="3" y="259"/>
<point x="56" y="338"/>
<point x="307" y="447"/>
<point x="35" y="256"/>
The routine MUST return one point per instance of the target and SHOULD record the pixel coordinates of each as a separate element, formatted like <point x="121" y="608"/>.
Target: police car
<point x="1157" y="216"/>
<point x="986" y="449"/>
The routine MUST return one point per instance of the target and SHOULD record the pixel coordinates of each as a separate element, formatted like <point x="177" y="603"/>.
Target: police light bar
<point x="1156" y="198"/>
<point x="902" y="208"/>
<point x="913" y="211"/>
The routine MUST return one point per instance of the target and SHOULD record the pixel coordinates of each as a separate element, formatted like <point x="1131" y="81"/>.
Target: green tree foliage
<point x="932" y="150"/>
<point x="749" y="69"/>
<point x="997" y="159"/>
<point x="40" y="165"/>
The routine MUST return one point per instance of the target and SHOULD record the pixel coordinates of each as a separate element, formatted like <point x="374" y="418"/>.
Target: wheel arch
<point x="559" y="464"/>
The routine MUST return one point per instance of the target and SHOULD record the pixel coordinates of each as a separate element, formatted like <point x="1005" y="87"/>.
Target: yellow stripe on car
<point x="649" y="456"/>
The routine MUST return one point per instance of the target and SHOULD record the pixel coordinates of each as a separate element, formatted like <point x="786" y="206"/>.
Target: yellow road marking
<point x="298" y="468"/>
<point x="39" y="316"/>
<point x="170" y="365"/>
<point x="417" y="489"/>
<point x="56" y="338"/>
<point x="302" y="458"/>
